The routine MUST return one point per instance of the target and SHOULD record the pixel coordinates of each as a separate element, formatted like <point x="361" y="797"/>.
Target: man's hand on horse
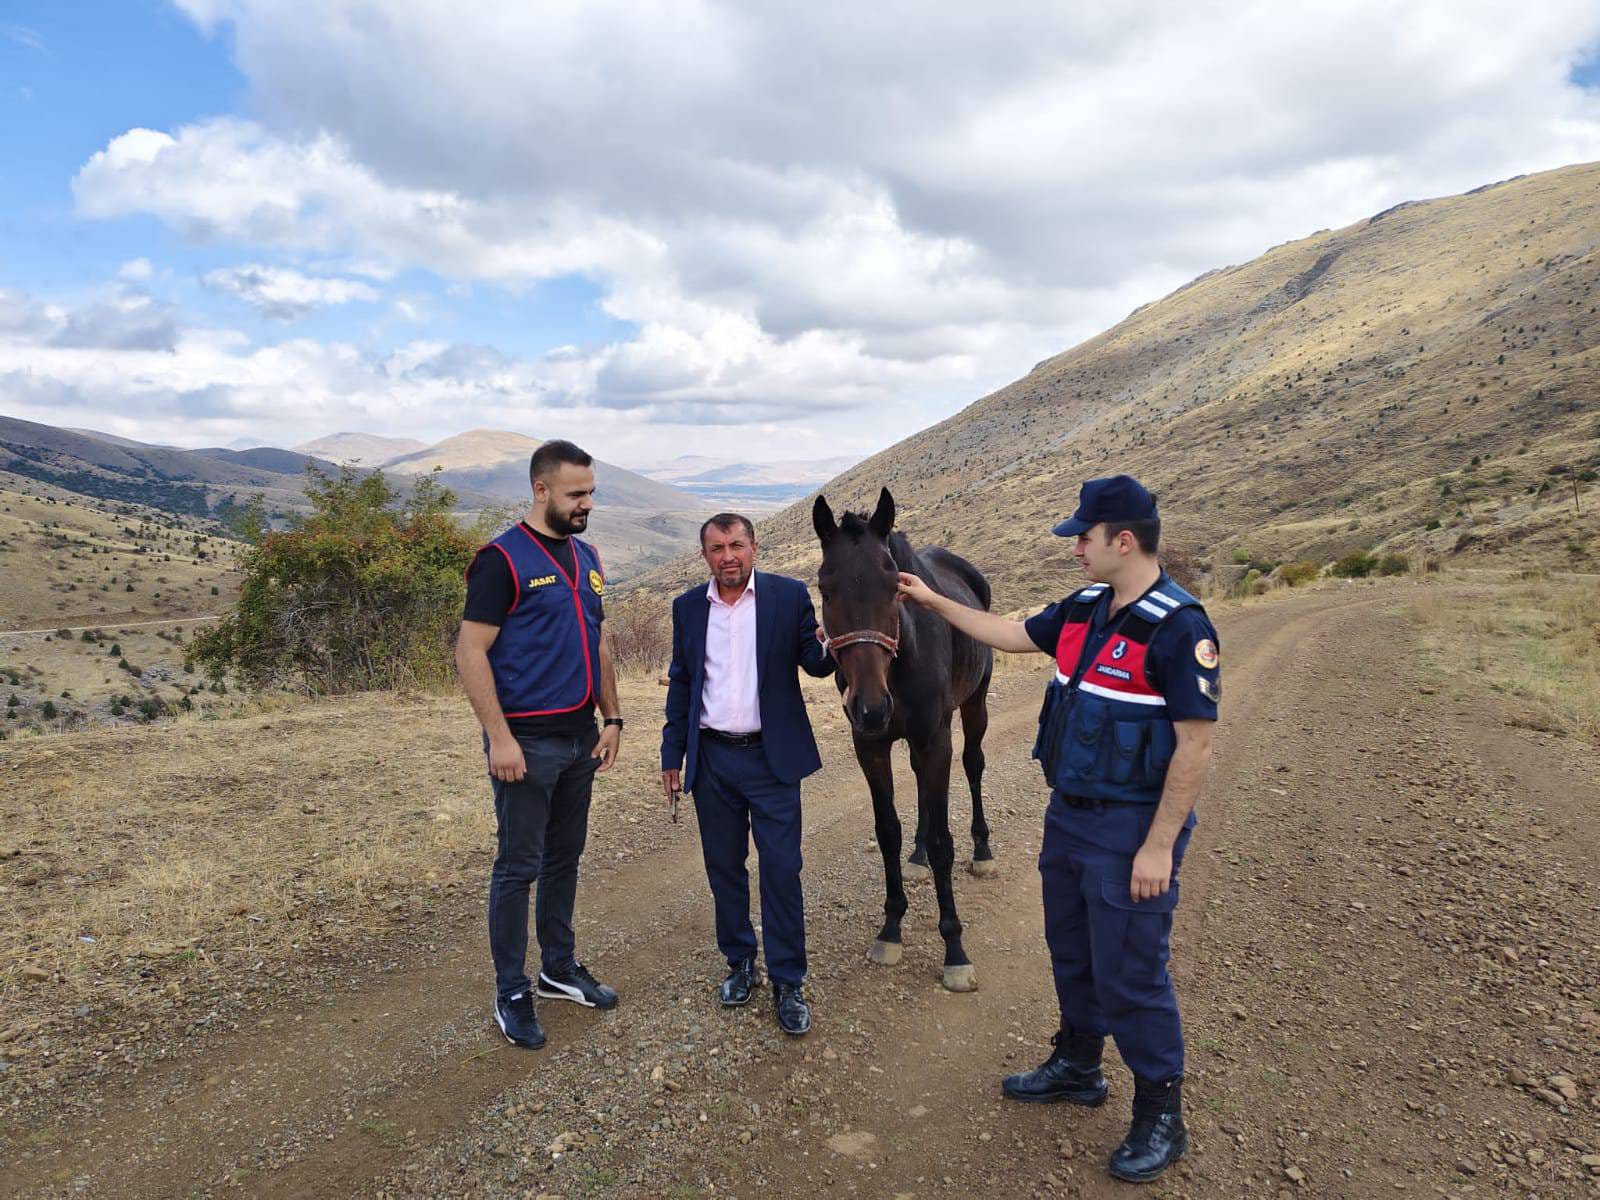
<point x="913" y="589"/>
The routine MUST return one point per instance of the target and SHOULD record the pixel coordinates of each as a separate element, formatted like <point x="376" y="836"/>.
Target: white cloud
<point x="889" y="207"/>
<point x="284" y="294"/>
<point x="135" y="270"/>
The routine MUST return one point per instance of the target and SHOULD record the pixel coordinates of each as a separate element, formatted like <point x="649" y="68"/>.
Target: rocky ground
<point x="1388" y="954"/>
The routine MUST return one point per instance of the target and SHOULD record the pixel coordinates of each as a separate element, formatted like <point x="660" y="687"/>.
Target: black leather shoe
<point x="576" y="985"/>
<point x="794" y="1015"/>
<point x="1157" y="1138"/>
<point x="518" y="1021"/>
<point x="736" y="988"/>
<point x="1071" y="1073"/>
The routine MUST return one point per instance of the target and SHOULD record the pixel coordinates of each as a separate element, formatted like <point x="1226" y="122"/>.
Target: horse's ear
<point x="822" y="520"/>
<point x="882" y="520"/>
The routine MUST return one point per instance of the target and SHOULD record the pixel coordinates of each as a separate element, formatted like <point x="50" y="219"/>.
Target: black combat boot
<point x="1071" y="1073"/>
<point x="1157" y="1138"/>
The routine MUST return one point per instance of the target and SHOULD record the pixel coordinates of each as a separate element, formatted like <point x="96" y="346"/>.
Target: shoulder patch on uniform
<point x="1211" y="689"/>
<point x="1154" y="611"/>
<point x="1205" y="653"/>
<point x="597" y="584"/>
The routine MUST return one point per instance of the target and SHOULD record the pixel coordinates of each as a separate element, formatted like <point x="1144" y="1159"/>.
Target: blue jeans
<point x="543" y="822"/>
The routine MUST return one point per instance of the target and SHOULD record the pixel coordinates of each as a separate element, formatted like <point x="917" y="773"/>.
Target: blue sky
<point x="647" y="227"/>
<point x="75" y="75"/>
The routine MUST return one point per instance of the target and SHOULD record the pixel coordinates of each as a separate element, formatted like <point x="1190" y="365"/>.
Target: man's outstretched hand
<point x="913" y="589"/>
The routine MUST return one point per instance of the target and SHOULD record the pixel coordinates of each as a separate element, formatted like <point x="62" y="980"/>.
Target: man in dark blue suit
<point x="738" y="738"/>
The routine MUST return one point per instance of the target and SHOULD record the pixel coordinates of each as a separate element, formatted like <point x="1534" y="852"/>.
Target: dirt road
<point x="1388" y="955"/>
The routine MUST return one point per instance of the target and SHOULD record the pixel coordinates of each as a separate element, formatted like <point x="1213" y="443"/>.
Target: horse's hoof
<point x="961" y="979"/>
<point x="914" y="871"/>
<point x="885" y="954"/>
<point x="983" y="867"/>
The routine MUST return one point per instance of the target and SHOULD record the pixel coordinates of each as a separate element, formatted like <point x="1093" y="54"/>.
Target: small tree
<point x="1358" y="564"/>
<point x="364" y="593"/>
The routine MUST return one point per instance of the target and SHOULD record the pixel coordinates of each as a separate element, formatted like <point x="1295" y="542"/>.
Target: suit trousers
<point x="736" y="795"/>
<point x="1109" y="952"/>
<point x="543" y="823"/>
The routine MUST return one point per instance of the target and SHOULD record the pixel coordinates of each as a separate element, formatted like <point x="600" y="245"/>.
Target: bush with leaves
<point x="1358" y="564"/>
<point x="1393" y="564"/>
<point x="364" y="593"/>
<point x="1296" y="573"/>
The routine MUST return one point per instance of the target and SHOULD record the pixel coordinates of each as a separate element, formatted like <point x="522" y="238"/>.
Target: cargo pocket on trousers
<point x="1147" y="940"/>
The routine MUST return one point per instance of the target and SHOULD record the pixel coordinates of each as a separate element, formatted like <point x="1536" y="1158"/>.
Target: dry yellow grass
<point x="1537" y="640"/>
<point x="134" y="859"/>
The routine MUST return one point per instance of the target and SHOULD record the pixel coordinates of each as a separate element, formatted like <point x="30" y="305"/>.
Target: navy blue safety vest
<point x="1104" y="733"/>
<point x="547" y="657"/>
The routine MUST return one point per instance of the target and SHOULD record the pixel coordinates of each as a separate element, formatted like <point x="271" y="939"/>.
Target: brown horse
<point x="903" y="672"/>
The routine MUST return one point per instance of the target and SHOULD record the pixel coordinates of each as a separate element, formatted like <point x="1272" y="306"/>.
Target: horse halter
<point x="860" y="637"/>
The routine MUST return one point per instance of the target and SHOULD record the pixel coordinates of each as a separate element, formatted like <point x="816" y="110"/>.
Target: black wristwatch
<point x="617" y="721"/>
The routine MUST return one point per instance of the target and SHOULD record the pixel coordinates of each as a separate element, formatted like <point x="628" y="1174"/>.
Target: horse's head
<point x="858" y="580"/>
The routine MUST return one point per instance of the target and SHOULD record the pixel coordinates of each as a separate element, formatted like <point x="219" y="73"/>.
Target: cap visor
<point x="1072" y="527"/>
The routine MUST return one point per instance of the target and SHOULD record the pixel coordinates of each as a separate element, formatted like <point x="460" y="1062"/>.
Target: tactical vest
<point x="546" y="659"/>
<point x="1108" y="737"/>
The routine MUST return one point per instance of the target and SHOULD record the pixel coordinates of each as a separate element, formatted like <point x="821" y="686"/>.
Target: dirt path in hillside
<point x="1386" y="954"/>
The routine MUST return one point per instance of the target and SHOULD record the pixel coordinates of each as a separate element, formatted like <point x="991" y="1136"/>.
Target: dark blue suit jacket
<point x="786" y="638"/>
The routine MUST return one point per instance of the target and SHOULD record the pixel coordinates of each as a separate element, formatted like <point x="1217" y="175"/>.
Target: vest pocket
<point x="1159" y="750"/>
<point x="1127" y="739"/>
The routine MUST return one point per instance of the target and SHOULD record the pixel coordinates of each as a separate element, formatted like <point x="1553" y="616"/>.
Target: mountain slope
<point x="360" y="449"/>
<point x="1436" y="362"/>
<point x="494" y="462"/>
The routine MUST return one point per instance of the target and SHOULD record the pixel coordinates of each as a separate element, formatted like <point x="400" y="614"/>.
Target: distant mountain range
<point x="1421" y="382"/>
<point x="762" y="486"/>
<point x="638" y="521"/>
<point x="360" y="449"/>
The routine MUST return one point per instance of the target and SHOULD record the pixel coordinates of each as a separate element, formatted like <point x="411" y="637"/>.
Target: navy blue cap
<point x="1119" y="498"/>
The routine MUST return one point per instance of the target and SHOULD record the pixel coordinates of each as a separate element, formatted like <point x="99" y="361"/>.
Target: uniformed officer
<point x="1124" y="739"/>
<point x="535" y="660"/>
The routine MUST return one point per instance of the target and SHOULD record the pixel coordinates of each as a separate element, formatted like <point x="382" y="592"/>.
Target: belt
<point x="732" y="739"/>
<point x="1097" y="805"/>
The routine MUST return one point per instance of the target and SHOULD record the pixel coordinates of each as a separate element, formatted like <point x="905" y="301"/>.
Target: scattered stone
<point x="35" y="974"/>
<point x="1294" y="1174"/>
<point x="853" y="1145"/>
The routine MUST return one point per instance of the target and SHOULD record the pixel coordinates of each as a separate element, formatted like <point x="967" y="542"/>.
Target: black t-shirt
<point x="491" y="590"/>
<point x="1183" y="661"/>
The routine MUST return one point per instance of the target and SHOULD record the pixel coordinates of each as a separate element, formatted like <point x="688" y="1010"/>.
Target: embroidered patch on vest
<point x="541" y="581"/>
<point x="596" y="583"/>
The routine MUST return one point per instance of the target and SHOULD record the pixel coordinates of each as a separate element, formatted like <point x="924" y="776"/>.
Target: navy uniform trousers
<point x="736" y="795"/>
<point x="1109" y="954"/>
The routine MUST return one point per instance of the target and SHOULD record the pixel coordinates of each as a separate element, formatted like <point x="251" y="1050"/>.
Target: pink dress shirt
<point x="728" y="699"/>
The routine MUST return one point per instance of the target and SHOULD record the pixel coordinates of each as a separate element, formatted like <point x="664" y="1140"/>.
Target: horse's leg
<point x="931" y="762"/>
<point x="974" y="723"/>
<point x="877" y="766"/>
<point x="917" y="864"/>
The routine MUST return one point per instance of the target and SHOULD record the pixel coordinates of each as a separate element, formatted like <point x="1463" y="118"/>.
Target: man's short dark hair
<point x="547" y="459"/>
<point x="1146" y="533"/>
<point x="726" y="521"/>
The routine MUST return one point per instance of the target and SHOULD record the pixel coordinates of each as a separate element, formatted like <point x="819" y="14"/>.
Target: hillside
<point x="494" y="462"/>
<point x="360" y="449"/>
<point x="1423" y="381"/>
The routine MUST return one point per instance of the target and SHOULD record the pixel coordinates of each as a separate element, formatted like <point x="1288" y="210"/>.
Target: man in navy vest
<point x="1124" y="739"/>
<point x="736" y="714"/>
<point x="533" y="657"/>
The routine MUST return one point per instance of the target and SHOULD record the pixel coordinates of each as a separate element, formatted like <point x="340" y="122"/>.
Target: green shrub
<point x="1241" y="556"/>
<point x="1358" y="564"/>
<point x="48" y="710"/>
<point x="364" y="593"/>
<point x="1296" y="573"/>
<point x="1393" y="564"/>
<point x="1433" y="524"/>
